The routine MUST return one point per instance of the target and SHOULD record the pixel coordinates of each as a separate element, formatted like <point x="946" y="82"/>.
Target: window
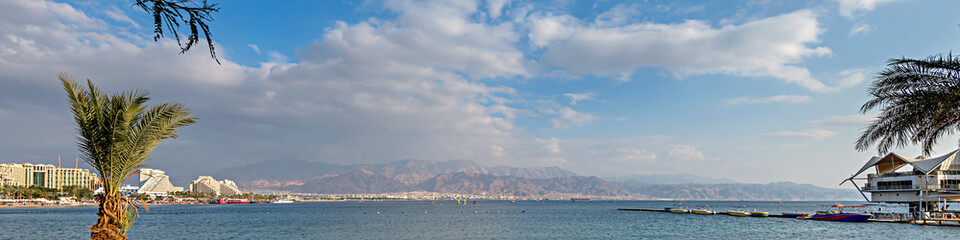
<point x="895" y="185"/>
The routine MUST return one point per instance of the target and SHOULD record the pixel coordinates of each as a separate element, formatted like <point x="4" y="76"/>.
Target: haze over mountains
<point x="468" y="177"/>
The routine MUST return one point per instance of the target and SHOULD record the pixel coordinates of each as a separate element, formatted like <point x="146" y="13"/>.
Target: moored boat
<point x="703" y="210"/>
<point x="738" y="213"/>
<point x="229" y="201"/>
<point x="794" y="214"/>
<point x="756" y="213"/>
<point x="840" y="216"/>
<point x="679" y="210"/>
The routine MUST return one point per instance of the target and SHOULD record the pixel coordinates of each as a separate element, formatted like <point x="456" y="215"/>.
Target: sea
<point x="448" y="220"/>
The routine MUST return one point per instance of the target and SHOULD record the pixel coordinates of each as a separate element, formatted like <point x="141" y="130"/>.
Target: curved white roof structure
<point x="893" y="162"/>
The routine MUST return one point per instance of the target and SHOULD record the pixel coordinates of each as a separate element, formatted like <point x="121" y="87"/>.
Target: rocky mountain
<point x="408" y="172"/>
<point x="468" y="177"/>
<point x="353" y="181"/>
<point x="475" y="183"/>
<point x="738" y="191"/>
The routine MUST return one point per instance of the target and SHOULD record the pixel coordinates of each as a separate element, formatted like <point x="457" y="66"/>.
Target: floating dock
<point x="664" y="210"/>
<point x="932" y="221"/>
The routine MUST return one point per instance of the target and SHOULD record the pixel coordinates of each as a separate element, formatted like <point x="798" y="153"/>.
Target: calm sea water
<point x="447" y="220"/>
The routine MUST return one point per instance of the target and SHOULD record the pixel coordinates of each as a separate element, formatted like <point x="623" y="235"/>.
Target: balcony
<point x="895" y="174"/>
<point x="894" y="187"/>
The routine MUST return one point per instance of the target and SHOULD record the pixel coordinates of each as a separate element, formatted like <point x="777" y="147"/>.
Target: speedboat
<point x="835" y="213"/>
<point x="704" y="210"/>
<point x="756" y="213"/>
<point x="679" y="210"/>
<point x="794" y="214"/>
<point x="738" y="213"/>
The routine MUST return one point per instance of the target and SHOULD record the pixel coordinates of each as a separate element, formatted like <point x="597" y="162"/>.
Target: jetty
<point x="717" y="213"/>
<point x="928" y="221"/>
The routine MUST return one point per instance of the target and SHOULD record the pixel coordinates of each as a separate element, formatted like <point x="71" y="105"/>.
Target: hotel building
<point x="155" y="182"/>
<point x="46" y="175"/>
<point x="207" y="184"/>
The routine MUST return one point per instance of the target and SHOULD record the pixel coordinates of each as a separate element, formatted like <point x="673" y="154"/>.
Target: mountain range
<point x="468" y="177"/>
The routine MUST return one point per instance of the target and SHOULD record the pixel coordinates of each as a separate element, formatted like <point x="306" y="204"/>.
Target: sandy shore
<point x="19" y="205"/>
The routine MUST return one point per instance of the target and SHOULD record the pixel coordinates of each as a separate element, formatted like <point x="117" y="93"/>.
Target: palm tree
<point x="116" y="136"/>
<point x="919" y="102"/>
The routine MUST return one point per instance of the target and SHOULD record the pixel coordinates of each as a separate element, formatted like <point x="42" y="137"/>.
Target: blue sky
<point x="755" y="91"/>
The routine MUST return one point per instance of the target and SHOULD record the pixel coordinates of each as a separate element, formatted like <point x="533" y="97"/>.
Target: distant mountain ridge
<point x="468" y="177"/>
<point x="409" y="172"/>
<point x="739" y="191"/>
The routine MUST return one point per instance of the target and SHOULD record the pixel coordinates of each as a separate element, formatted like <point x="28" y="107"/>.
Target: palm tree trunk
<point x="108" y="219"/>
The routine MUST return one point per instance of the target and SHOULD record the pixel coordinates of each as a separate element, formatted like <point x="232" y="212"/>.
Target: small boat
<point x="679" y="210"/>
<point x="284" y="201"/>
<point x="704" y="210"/>
<point x="794" y="214"/>
<point x="839" y="216"/>
<point x="580" y="199"/>
<point x="756" y="213"/>
<point x="230" y="201"/>
<point x="738" y="213"/>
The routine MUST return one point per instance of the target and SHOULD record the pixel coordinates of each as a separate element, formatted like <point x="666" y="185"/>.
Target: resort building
<point x="207" y="184"/>
<point x="155" y="183"/>
<point x="914" y="181"/>
<point x="45" y="175"/>
<point x="12" y="174"/>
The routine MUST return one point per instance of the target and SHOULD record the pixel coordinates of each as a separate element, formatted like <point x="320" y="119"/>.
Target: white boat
<point x="703" y="210"/>
<point x="284" y="201"/>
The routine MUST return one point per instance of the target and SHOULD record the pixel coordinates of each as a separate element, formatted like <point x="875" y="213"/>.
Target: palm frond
<point x="919" y="103"/>
<point x="117" y="133"/>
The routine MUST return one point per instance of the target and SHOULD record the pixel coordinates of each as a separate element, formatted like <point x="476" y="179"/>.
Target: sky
<point x="755" y="91"/>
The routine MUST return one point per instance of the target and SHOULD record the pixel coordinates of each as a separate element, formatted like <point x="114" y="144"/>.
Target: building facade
<point x="914" y="181"/>
<point x="207" y="184"/>
<point x="46" y="175"/>
<point x="155" y="182"/>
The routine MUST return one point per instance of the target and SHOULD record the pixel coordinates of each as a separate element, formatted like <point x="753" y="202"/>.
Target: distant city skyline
<point x="752" y="91"/>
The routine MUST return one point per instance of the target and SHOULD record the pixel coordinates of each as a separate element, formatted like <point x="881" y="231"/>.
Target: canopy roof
<point x="892" y="162"/>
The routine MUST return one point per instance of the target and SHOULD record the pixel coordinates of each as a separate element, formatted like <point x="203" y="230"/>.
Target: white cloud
<point x="371" y="91"/>
<point x="774" y="99"/>
<point x="254" y="47"/>
<point x="633" y="155"/>
<point x="551" y="145"/>
<point x="854" y="8"/>
<point x="860" y="28"/>
<point x="277" y="57"/>
<point x="618" y="15"/>
<point x="477" y="49"/>
<point x="684" y="49"/>
<point x="852" y="77"/>
<point x="685" y="152"/>
<point x="495" y="7"/>
<point x="569" y="117"/>
<point x="855" y="120"/>
<point x="575" y="98"/>
<point x="801" y="135"/>
<point x="118" y="15"/>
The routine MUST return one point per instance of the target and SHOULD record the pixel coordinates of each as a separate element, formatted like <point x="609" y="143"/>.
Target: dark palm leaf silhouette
<point x="173" y="13"/>
<point x="919" y="102"/>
